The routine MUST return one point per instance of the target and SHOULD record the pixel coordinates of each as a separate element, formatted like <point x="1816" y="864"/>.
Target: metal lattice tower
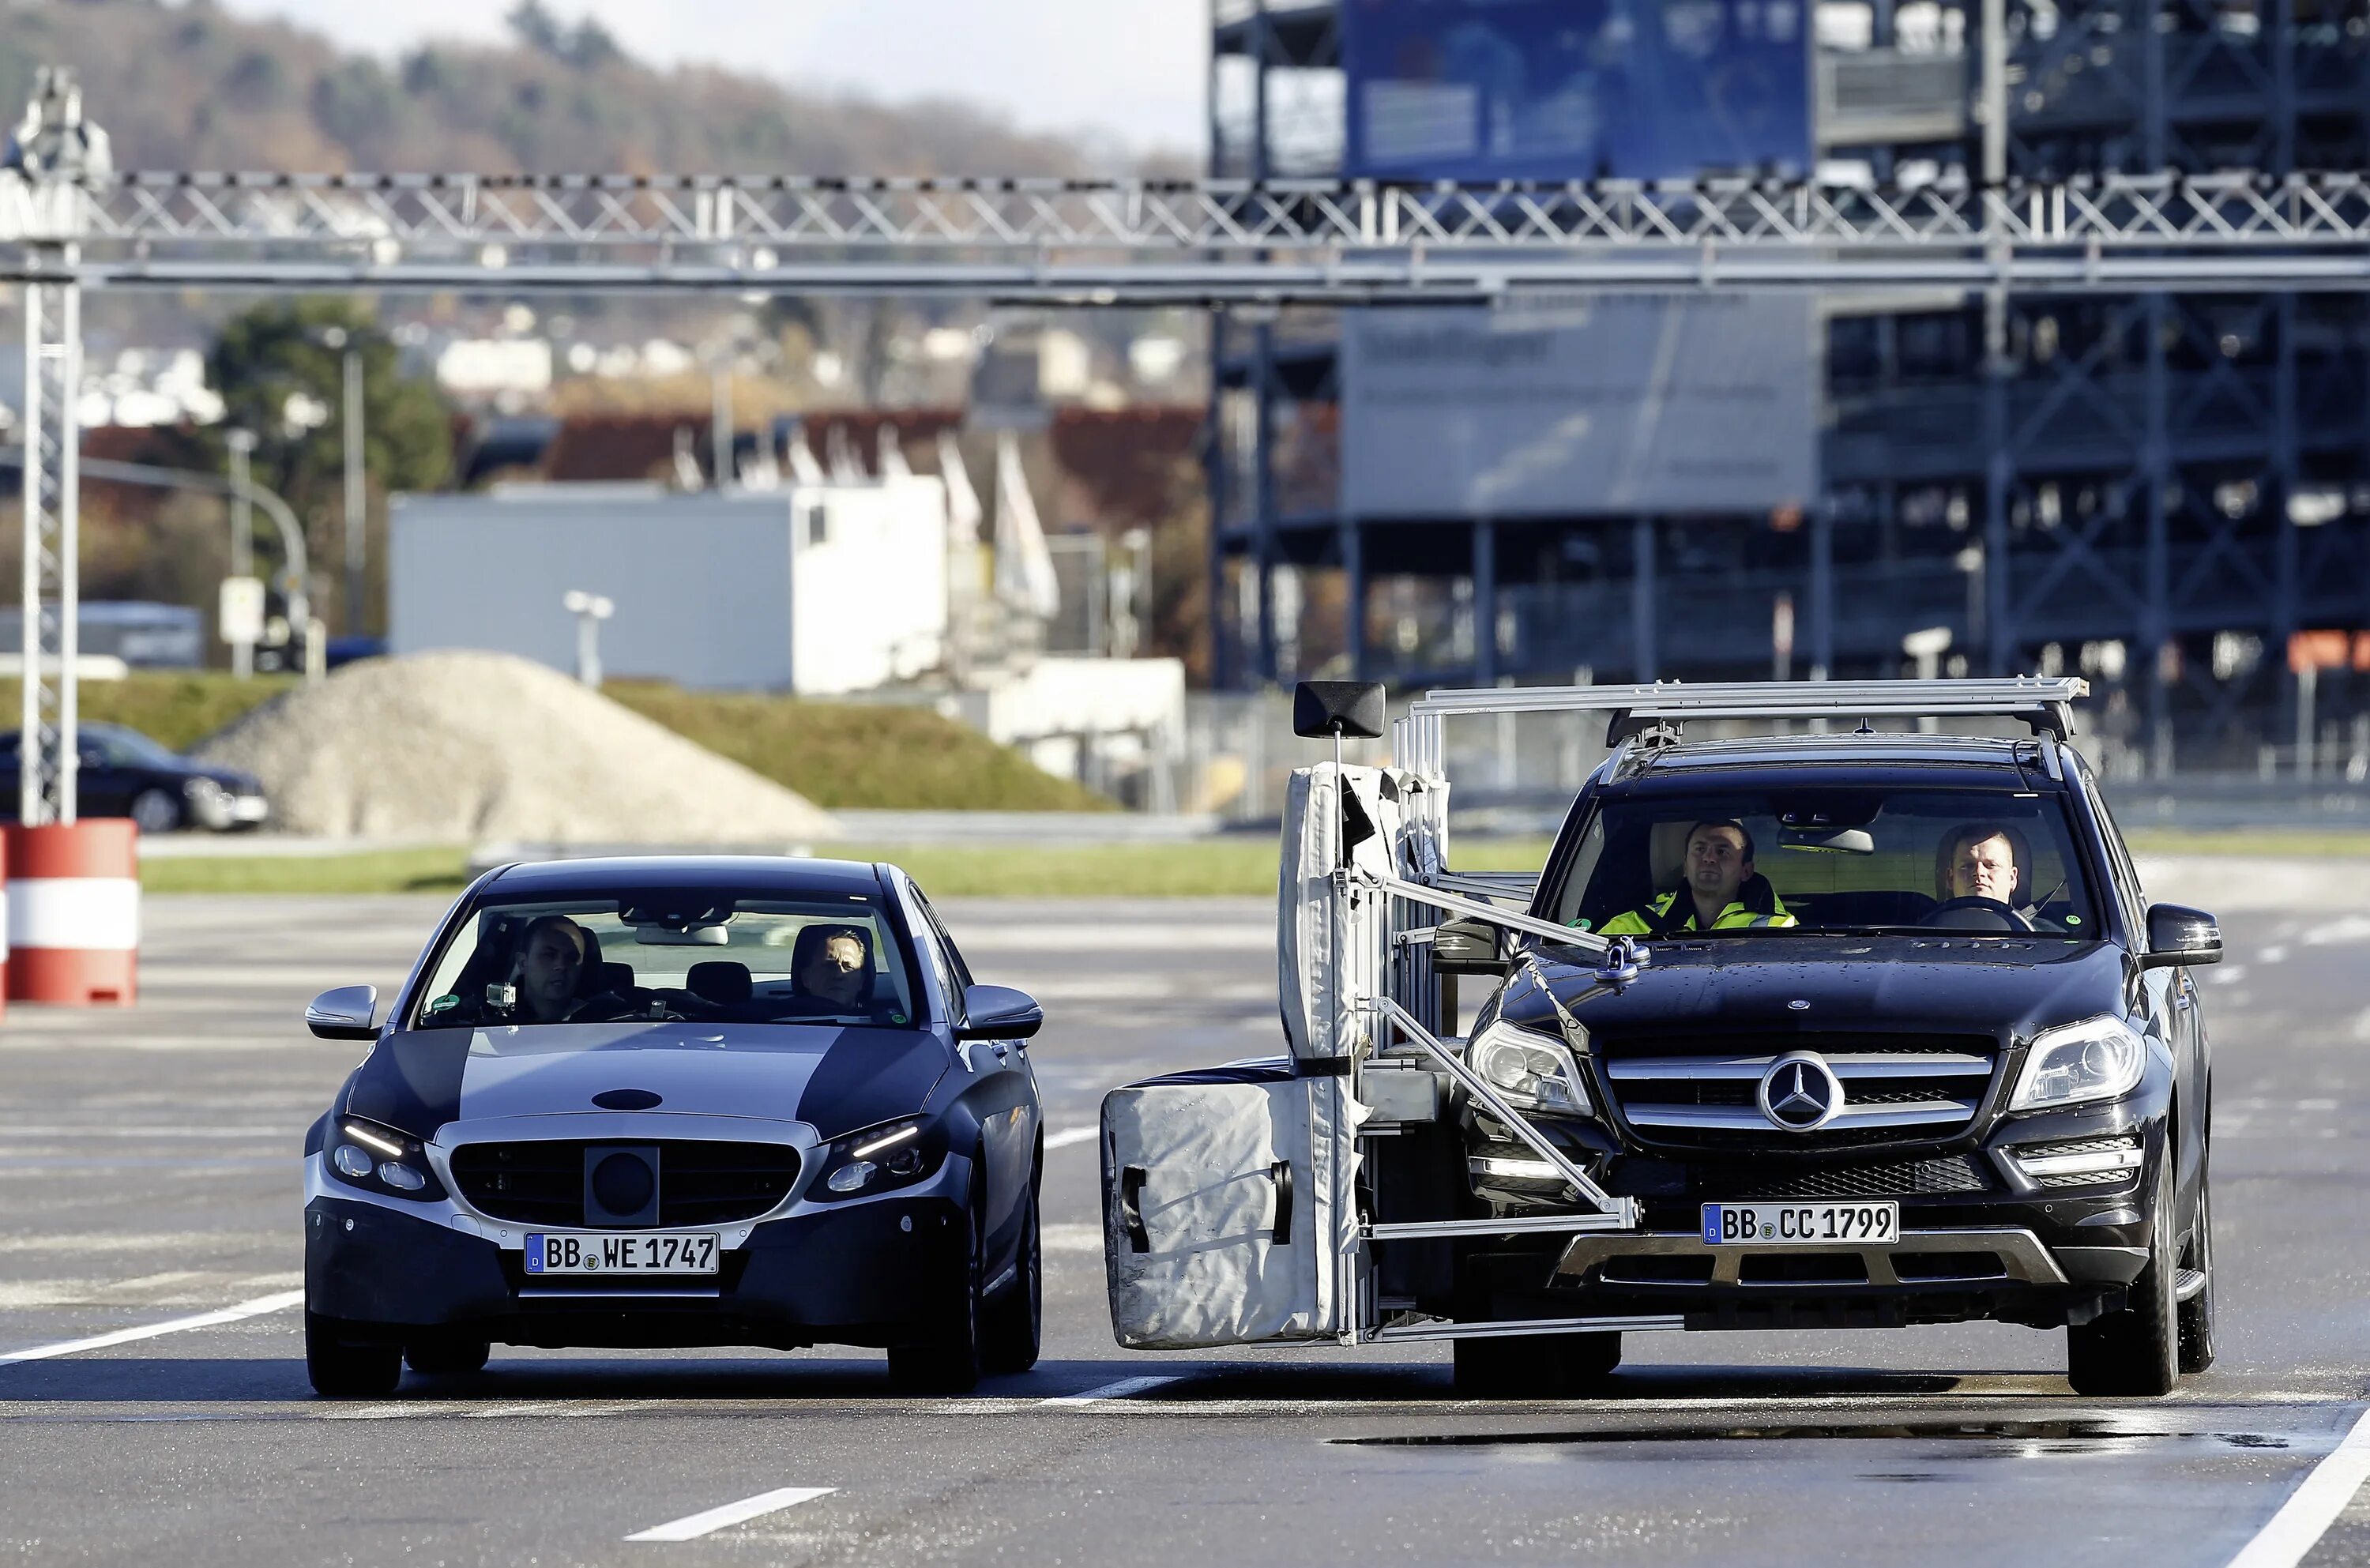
<point x="52" y="151"/>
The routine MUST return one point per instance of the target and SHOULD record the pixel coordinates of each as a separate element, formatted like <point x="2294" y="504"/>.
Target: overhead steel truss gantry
<point x="69" y="222"/>
<point x="1138" y="242"/>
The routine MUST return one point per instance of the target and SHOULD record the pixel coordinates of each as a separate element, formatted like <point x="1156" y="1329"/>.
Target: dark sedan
<point x="122" y="773"/>
<point x="675" y="1102"/>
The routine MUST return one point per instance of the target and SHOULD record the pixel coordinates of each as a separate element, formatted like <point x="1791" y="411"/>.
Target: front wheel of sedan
<point x="1015" y="1320"/>
<point x="948" y="1361"/>
<point x="448" y="1358"/>
<point x="2137" y="1350"/>
<point x="340" y="1369"/>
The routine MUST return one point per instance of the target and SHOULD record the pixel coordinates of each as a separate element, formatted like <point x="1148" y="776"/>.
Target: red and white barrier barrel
<point x="73" y="912"/>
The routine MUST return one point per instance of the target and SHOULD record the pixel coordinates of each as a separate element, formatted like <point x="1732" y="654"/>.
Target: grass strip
<point x="1227" y="866"/>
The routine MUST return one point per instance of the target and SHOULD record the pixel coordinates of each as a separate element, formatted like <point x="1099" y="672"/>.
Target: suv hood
<point x="1942" y="985"/>
<point x="832" y="1076"/>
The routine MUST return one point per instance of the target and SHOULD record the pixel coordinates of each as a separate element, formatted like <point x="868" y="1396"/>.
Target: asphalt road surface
<point x="148" y="1177"/>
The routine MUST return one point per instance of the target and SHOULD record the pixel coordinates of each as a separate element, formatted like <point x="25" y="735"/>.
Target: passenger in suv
<point x="1939" y="1097"/>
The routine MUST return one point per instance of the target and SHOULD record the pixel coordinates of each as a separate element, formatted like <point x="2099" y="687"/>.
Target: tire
<point x="948" y="1361"/>
<point x="448" y="1358"/>
<point x="1559" y="1366"/>
<point x="340" y="1369"/>
<point x="2136" y="1352"/>
<point x="1012" y="1327"/>
<point x="2196" y="1314"/>
<point x="154" y="810"/>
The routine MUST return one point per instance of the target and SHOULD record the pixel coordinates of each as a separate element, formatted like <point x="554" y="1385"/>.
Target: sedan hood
<point x="1809" y="985"/>
<point x="832" y="1076"/>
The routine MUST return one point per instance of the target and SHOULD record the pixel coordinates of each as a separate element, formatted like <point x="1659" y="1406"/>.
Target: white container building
<point x="818" y="590"/>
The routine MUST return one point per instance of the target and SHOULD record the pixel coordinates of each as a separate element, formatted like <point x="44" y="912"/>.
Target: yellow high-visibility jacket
<point x="1643" y="922"/>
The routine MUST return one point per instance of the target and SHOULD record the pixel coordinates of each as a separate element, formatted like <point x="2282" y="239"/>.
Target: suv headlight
<point x="2098" y="1059"/>
<point x="380" y="1160"/>
<point x="1534" y="1071"/>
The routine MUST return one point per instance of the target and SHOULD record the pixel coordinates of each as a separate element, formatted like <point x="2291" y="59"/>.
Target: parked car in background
<point x="125" y="774"/>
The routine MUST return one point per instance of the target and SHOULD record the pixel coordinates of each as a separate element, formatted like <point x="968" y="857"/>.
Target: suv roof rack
<point x="2045" y="703"/>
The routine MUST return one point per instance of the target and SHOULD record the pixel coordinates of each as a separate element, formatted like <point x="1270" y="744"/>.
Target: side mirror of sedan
<point x="999" y="1012"/>
<point x="2178" y="935"/>
<point x="344" y="1013"/>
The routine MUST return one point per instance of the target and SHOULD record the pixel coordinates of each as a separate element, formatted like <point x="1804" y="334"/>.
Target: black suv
<point x="1936" y="1059"/>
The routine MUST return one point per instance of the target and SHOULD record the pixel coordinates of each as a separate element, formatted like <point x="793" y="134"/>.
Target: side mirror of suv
<point x="2178" y="935"/>
<point x="1466" y="947"/>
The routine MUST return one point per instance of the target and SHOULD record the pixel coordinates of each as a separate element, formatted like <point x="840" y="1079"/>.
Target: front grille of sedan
<point x="1700" y="1091"/>
<point x="699" y="1181"/>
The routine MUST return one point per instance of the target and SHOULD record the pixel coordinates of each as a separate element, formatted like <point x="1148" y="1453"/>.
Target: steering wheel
<point x="1974" y="915"/>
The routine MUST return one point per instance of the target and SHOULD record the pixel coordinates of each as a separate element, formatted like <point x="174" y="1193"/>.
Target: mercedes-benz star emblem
<point x="1799" y="1092"/>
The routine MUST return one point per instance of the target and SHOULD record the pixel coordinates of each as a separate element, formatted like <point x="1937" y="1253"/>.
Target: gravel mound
<point x="463" y="747"/>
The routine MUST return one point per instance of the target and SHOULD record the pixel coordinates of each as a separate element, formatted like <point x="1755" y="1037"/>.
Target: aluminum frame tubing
<point x="2005" y="697"/>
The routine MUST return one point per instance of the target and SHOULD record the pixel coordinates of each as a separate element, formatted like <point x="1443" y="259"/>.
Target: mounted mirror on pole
<point x="1339" y="709"/>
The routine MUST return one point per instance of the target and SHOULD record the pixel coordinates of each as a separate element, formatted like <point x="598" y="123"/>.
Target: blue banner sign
<point x="1483" y="90"/>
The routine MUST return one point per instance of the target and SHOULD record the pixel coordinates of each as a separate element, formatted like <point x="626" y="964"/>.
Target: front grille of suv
<point x="1875" y="1179"/>
<point x="700" y="1182"/>
<point x="1700" y="1091"/>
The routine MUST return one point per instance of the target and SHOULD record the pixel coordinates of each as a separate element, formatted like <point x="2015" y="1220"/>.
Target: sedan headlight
<point x="2098" y="1059"/>
<point x="380" y="1160"/>
<point x="878" y="1158"/>
<point x="1534" y="1071"/>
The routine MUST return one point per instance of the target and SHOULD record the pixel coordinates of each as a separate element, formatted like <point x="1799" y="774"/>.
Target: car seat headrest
<point x="719" y="980"/>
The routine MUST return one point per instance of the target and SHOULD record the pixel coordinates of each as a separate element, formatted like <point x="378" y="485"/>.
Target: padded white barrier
<point x="1225" y="1196"/>
<point x="1331" y="951"/>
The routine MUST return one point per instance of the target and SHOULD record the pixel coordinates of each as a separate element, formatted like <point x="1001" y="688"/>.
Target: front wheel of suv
<point x="2197" y="1283"/>
<point x="1554" y="1367"/>
<point x="2136" y="1351"/>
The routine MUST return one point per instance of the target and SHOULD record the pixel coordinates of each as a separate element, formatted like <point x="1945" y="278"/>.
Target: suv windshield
<point x="1833" y="860"/>
<point x="700" y="955"/>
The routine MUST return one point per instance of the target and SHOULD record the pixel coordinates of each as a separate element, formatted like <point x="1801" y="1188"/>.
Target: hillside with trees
<point x="190" y="87"/>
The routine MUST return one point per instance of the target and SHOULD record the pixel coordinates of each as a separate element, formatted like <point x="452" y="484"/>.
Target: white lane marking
<point x="1126" y="1387"/>
<point x="1067" y="1137"/>
<point x="255" y="1308"/>
<point x="2306" y="1516"/>
<point x="1071" y="1238"/>
<point x="692" y="1527"/>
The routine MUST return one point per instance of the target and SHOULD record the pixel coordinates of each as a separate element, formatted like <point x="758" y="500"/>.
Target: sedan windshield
<point x="699" y="955"/>
<point x="1857" y="859"/>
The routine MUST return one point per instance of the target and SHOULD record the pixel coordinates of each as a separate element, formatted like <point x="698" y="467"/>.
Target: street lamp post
<point x="241" y="444"/>
<point x="589" y="610"/>
<point x="357" y="497"/>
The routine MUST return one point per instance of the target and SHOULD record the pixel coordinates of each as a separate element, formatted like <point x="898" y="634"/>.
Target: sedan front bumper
<point x="868" y="1272"/>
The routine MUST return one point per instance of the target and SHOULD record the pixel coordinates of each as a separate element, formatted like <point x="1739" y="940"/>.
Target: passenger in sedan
<point x="549" y="970"/>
